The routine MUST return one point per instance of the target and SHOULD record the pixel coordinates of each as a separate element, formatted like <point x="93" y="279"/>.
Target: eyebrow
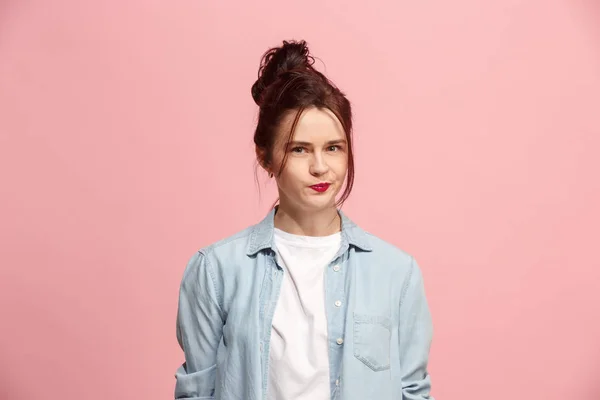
<point x="337" y="141"/>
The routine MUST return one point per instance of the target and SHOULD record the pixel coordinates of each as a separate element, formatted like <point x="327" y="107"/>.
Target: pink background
<point x="126" y="145"/>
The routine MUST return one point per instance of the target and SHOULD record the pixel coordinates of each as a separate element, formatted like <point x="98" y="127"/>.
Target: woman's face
<point x="317" y="154"/>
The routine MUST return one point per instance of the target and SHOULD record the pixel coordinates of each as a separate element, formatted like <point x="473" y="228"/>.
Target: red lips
<point x="320" y="187"/>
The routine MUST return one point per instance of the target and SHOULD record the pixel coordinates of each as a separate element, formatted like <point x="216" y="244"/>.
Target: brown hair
<point x="288" y="82"/>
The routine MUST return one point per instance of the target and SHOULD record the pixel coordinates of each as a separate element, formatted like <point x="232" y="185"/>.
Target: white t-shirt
<point x="299" y="358"/>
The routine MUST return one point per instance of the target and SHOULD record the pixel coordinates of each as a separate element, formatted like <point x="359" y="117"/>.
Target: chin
<point x="321" y="203"/>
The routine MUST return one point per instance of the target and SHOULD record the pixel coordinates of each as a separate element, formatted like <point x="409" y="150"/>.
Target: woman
<point x="304" y="304"/>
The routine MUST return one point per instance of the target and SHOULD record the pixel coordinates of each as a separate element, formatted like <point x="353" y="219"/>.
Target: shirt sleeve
<point x="199" y="330"/>
<point x="415" y="336"/>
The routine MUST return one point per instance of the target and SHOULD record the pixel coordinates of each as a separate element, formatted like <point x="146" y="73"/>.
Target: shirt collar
<point x="262" y="234"/>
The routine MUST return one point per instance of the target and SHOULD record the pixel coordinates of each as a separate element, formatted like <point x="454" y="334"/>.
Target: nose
<point x="318" y="165"/>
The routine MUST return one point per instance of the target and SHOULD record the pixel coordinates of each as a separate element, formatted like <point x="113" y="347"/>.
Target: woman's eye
<point x="300" y="150"/>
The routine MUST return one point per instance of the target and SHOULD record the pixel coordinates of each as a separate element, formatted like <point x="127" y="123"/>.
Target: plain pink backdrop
<point x="126" y="144"/>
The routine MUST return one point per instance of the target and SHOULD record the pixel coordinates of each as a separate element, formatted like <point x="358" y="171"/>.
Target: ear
<point x="260" y="157"/>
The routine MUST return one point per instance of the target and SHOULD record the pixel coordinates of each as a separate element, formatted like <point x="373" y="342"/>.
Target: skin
<point x="321" y="157"/>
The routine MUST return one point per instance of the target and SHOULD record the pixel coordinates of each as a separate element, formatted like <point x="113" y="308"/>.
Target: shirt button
<point x="339" y="340"/>
<point x="338" y="303"/>
<point x="336" y="268"/>
<point x="337" y="382"/>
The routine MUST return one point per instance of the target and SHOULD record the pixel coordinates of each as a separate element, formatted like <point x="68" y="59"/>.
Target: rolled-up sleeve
<point x="199" y="330"/>
<point x="415" y="337"/>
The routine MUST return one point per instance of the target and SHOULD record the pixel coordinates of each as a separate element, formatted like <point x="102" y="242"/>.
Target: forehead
<point x="315" y="125"/>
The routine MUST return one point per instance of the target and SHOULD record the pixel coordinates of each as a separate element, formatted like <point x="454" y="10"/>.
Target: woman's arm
<point x="415" y="336"/>
<point x="199" y="330"/>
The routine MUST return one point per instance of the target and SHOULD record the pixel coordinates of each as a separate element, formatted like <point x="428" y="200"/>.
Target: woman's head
<point x="304" y="131"/>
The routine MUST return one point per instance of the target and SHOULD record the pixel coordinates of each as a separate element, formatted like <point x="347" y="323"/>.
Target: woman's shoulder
<point x="235" y="240"/>
<point x="229" y="251"/>
<point x="386" y="252"/>
<point x="382" y="251"/>
<point x="222" y="257"/>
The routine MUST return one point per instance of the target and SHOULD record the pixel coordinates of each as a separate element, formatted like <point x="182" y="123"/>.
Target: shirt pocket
<point x="372" y="335"/>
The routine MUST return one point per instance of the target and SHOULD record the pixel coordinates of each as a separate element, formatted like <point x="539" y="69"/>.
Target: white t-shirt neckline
<point x="307" y="241"/>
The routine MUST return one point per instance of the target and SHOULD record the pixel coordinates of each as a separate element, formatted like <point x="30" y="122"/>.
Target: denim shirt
<point x="379" y="338"/>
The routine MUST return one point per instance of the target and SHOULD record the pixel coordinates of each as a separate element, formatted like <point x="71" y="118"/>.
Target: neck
<point x="312" y="223"/>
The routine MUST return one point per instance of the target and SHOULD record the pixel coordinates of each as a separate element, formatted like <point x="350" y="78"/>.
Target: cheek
<point x="289" y="179"/>
<point x="294" y="169"/>
<point x="341" y="168"/>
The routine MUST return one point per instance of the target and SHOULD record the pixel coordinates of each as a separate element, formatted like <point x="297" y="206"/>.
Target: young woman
<point x="304" y="304"/>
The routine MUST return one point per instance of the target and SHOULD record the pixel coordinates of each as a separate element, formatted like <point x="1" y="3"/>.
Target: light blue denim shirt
<point x="379" y="339"/>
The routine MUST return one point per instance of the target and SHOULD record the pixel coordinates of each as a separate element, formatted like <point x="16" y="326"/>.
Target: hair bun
<point x="292" y="55"/>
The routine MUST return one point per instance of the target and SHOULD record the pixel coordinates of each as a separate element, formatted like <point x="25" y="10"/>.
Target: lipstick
<point x="320" y="187"/>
